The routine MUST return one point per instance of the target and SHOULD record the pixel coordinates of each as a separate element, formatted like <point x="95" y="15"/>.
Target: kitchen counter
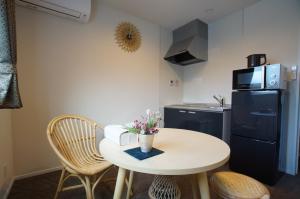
<point x="202" y="117"/>
<point x="201" y="107"/>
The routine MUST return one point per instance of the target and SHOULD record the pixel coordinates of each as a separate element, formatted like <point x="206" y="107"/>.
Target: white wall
<point x="298" y="127"/>
<point x="299" y="45"/>
<point x="68" y="67"/>
<point x="167" y="71"/>
<point x="269" y="26"/>
<point x="6" y="153"/>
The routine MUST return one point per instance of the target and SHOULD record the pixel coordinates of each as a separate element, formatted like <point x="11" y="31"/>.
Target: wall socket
<point x="174" y="83"/>
<point x="293" y="73"/>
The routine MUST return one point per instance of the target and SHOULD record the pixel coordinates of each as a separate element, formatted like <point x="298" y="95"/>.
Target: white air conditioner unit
<point x="79" y="10"/>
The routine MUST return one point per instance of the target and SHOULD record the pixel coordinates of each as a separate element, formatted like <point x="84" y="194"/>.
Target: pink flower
<point x="147" y="125"/>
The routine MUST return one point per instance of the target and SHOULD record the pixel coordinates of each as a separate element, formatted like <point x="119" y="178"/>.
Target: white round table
<point x="185" y="152"/>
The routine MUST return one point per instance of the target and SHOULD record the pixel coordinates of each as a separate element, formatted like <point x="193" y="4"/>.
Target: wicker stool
<point x="230" y="185"/>
<point x="164" y="187"/>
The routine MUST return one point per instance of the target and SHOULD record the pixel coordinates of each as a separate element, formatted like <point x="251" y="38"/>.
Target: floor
<point x="44" y="186"/>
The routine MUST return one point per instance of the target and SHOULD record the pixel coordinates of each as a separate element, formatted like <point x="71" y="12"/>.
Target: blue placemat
<point x="138" y="154"/>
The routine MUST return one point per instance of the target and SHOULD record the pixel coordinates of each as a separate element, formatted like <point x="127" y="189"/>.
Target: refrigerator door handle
<point x="263" y="80"/>
<point x="263" y="114"/>
<point x="263" y="141"/>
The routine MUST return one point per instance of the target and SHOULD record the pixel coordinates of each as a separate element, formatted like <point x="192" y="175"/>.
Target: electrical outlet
<point x="174" y="83"/>
<point x="293" y="73"/>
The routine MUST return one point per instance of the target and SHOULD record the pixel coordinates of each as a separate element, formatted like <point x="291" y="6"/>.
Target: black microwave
<point x="261" y="77"/>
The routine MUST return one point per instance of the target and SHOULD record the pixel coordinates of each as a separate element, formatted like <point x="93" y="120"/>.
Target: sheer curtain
<point x="9" y="92"/>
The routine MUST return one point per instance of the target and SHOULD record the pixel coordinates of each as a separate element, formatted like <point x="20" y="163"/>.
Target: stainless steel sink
<point x="217" y="108"/>
<point x="201" y="106"/>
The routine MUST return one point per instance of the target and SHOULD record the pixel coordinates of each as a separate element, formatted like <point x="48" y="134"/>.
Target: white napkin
<point x="119" y="135"/>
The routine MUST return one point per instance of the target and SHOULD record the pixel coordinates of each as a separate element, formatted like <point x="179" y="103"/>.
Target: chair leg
<point x="129" y="185"/>
<point x="95" y="182"/>
<point x="88" y="188"/>
<point x="60" y="184"/>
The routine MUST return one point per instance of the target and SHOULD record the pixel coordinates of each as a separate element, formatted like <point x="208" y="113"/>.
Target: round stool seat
<point x="164" y="187"/>
<point x="231" y="185"/>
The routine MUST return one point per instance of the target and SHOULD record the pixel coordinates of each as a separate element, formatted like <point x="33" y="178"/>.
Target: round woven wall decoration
<point x="128" y="37"/>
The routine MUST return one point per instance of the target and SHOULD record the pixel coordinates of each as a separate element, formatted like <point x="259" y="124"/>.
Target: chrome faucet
<point x="220" y="100"/>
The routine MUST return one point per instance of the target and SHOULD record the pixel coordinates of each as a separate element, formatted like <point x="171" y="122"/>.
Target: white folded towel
<point x="119" y="135"/>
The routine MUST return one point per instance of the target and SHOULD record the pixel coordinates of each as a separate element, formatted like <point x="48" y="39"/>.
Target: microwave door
<point x="249" y="79"/>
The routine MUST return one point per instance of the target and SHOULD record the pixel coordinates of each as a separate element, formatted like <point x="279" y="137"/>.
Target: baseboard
<point x="6" y="189"/>
<point x="291" y="171"/>
<point x="36" y="173"/>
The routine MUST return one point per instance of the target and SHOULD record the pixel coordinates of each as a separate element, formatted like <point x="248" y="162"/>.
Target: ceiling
<point x="174" y="13"/>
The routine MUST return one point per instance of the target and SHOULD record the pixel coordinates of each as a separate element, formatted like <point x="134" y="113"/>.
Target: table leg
<point x="203" y="185"/>
<point x="194" y="186"/>
<point x="119" y="183"/>
<point x="129" y="191"/>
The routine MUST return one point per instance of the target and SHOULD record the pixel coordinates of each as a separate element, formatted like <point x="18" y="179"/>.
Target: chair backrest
<point x="73" y="138"/>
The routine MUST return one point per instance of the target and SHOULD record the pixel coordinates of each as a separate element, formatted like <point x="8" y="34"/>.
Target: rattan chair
<point x="73" y="138"/>
<point x="231" y="185"/>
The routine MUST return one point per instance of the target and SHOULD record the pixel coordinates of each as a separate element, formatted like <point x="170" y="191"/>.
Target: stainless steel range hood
<point x="189" y="44"/>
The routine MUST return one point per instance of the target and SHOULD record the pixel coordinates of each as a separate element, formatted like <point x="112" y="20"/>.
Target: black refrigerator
<point x="255" y="134"/>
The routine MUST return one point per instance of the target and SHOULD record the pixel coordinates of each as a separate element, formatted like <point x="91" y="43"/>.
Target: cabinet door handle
<point x="182" y="111"/>
<point x="192" y="112"/>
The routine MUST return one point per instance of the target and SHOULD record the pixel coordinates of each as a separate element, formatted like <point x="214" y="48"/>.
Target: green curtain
<point x="9" y="92"/>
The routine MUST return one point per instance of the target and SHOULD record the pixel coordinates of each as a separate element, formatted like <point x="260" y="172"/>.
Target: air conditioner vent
<point x="78" y="10"/>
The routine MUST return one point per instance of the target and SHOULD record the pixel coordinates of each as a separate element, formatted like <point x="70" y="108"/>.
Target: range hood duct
<point x="190" y="43"/>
